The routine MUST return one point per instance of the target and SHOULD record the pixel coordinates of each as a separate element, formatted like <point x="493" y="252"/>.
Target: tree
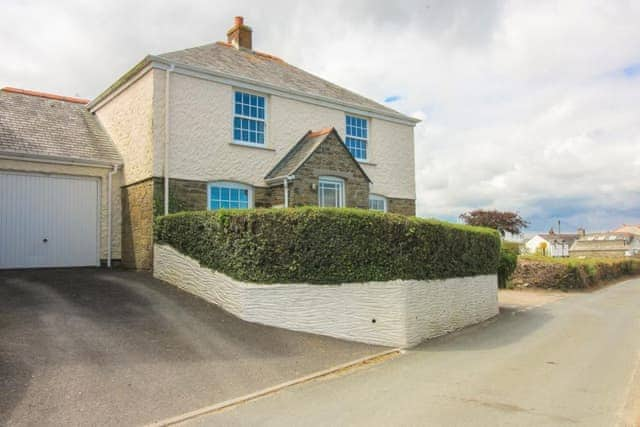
<point x="504" y="222"/>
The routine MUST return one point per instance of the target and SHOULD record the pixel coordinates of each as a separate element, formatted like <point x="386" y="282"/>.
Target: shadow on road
<point x="509" y="326"/>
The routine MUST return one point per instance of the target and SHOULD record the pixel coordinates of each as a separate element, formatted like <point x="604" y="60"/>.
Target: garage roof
<point x="37" y="124"/>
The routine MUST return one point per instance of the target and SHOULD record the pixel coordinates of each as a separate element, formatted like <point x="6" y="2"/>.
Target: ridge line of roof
<point x="46" y="95"/>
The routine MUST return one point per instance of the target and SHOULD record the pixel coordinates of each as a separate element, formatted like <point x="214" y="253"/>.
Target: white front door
<point x="48" y="221"/>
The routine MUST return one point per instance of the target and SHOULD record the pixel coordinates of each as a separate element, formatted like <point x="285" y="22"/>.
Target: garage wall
<point x="102" y="173"/>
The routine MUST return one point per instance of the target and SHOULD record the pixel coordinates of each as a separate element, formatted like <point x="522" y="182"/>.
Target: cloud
<point x="528" y="106"/>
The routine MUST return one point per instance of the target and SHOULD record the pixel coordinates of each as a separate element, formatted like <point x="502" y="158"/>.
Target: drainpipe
<point x="167" y="89"/>
<point x="109" y="214"/>
<point x="286" y="190"/>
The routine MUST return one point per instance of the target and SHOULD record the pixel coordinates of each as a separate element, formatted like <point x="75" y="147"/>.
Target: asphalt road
<point x="571" y="361"/>
<point x="94" y="347"/>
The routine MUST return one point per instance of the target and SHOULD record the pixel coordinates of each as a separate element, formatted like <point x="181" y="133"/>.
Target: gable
<point x="323" y="149"/>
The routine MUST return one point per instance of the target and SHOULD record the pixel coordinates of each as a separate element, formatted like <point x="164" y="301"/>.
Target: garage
<point x="48" y="221"/>
<point x="59" y="184"/>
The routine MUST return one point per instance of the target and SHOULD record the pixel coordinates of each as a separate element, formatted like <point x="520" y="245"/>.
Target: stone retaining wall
<point x="395" y="313"/>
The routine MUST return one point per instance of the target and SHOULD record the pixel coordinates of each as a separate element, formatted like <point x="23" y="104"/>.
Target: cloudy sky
<point x="527" y="106"/>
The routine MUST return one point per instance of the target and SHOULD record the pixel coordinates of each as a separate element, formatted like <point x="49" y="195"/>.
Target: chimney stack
<point x="239" y="36"/>
<point x="581" y="232"/>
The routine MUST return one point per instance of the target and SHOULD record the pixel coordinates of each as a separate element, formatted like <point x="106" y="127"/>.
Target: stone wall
<point x="330" y="159"/>
<point x="402" y="206"/>
<point x="394" y="313"/>
<point x="137" y="225"/>
<point x="184" y="195"/>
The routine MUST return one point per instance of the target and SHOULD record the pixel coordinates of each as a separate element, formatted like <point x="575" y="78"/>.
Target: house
<point x="215" y="126"/>
<point x="605" y="245"/>
<point x="551" y="244"/>
<point x="631" y="229"/>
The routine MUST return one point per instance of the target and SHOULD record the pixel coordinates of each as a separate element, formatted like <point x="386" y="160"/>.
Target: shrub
<point x="572" y="273"/>
<point x="507" y="265"/>
<point x="316" y="245"/>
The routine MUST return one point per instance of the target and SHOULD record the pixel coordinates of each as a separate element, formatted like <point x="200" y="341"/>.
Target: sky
<point x="526" y="106"/>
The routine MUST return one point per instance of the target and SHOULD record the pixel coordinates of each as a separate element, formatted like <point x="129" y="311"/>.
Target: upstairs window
<point x="229" y="195"/>
<point x="377" y="203"/>
<point x="248" y="118"/>
<point x="330" y="192"/>
<point x="357" y="136"/>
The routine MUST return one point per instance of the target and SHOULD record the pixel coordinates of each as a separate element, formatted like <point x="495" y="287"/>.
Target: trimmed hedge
<point x="315" y="245"/>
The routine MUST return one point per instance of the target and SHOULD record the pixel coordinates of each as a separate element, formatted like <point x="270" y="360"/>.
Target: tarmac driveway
<point x="99" y="347"/>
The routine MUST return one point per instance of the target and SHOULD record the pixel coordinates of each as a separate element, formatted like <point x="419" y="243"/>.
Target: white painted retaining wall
<point x="406" y="312"/>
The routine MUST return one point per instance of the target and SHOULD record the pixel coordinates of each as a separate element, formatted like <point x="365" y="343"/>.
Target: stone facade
<point x="330" y="159"/>
<point x="402" y="206"/>
<point x="137" y="225"/>
<point x="184" y="195"/>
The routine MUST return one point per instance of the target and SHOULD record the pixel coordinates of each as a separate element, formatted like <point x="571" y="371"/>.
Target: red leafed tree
<point x="504" y="222"/>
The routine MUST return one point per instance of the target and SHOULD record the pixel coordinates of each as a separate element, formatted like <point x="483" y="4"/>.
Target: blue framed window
<point x="249" y="118"/>
<point x="229" y="195"/>
<point x="357" y="137"/>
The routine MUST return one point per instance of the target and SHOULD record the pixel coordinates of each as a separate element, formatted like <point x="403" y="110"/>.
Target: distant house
<point x="551" y="244"/>
<point x="608" y="245"/>
<point x="631" y="229"/>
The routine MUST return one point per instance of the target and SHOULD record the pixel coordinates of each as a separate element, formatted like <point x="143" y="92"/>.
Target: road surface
<point x="562" y="361"/>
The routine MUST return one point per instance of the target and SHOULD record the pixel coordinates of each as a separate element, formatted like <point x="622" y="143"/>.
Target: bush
<point x="316" y="245"/>
<point x="508" y="264"/>
<point x="572" y="273"/>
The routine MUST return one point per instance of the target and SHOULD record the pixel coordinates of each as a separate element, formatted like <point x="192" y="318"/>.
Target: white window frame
<point x="230" y="185"/>
<point x="341" y="193"/>
<point x="365" y="140"/>
<point x="378" y="198"/>
<point x="241" y="116"/>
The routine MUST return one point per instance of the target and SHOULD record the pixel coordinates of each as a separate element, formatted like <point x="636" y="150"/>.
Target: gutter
<point x="43" y="158"/>
<point x="167" y="93"/>
<point x="109" y="215"/>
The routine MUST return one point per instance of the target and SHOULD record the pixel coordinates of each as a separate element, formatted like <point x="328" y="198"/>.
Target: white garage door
<point x="48" y="221"/>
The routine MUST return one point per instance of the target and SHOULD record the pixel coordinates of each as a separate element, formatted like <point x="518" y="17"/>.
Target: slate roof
<point x="611" y="241"/>
<point x="40" y="124"/>
<point x="626" y="228"/>
<point x="301" y="151"/>
<point x="264" y="68"/>
<point x="569" y="238"/>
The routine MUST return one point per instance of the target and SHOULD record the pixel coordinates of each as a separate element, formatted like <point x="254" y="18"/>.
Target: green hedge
<point x="329" y="245"/>
<point x="507" y="265"/>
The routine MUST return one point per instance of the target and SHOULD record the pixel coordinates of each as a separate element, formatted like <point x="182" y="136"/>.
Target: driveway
<point x="99" y="347"/>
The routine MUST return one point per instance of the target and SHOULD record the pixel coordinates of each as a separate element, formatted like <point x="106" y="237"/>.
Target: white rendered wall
<point x="201" y="115"/>
<point x="406" y="312"/>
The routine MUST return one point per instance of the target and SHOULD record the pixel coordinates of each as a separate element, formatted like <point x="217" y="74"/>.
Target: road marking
<point x="375" y="358"/>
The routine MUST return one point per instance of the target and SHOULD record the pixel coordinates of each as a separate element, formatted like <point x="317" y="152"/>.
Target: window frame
<point x="230" y="185"/>
<point x="242" y="116"/>
<point x="379" y="197"/>
<point x="365" y="140"/>
<point x="342" y="193"/>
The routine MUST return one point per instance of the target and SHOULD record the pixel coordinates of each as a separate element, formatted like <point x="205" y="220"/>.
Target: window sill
<point x="249" y="145"/>
<point x="366" y="162"/>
